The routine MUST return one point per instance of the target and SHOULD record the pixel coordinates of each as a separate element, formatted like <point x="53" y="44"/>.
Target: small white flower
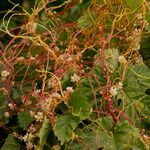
<point x="32" y="113"/>
<point x="25" y="137"/>
<point x="70" y="89"/>
<point x="12" y="106"/>
<point x="39" y="117"/>
<point x="122" y="59"/>
<point x="5" y="73"/>
<point x="32" y="58"/>
<point x="120" y="85"/>
<point x="6" y="114"/>
<point x="113" y="91"/>
<point x="16" y="135"/>
<point x="75" y="78"/>
<point x="139" y="16"/>
<point x="56" y="95"/>
<point x="28" y="137"/>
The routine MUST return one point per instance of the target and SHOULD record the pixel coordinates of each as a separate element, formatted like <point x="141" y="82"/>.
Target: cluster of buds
<point x="135" y="39"/>
<point x="67" y="93"/>
<point x="75" y="78"/>
<point x="4" y="75"/>
<point x="39" y="116"/>
<point x="52" y="101"/>
<point x="28" y="138"/>
<point x="12" y="106"/>
<point x="53" y="83"/>
<point x="6" y="114"/>
<point x="122" y="59"/>
<point x="115" y="89"/>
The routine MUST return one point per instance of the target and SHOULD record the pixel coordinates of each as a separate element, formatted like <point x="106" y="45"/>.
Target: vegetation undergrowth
<point x="75" y="75"/>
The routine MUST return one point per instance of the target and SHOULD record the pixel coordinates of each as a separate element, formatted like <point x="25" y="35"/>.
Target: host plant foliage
<point x="73" y="76"/>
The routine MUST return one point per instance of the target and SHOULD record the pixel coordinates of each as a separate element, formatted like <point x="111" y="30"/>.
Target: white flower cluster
<point x="6" y="114"/>
<point x="12" y="105"/>
<point x="75" y="78"/>
<point x="52" y="82"/>
<point x="67" y="93"/>
<point x="122" y="59"/>
<point x="39" y="116"/>
<point x="70" y="89"/>
<point x="28" y="139"/>
<point x="115" y="89"/>
<point x="135" y="39"/>
<point x="5" y="73"/>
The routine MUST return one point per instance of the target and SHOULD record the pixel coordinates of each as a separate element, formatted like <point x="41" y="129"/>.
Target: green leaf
<point x="44" y="131"/>
<point x="105" y="123"/>
<point x="79" y="104"/>
<point x="87" y="20"/>
<point x="64" y="127"/>
<point x="10" y="143"/>
<point x="112" y="58"/>
<point x="95" y="136"/>
<point x="133" y="98"/>
<point x="134" y="4"/>
<point x="24" y="119"/>
<point x="127" y="137"/>
<point x="137" y="81"/>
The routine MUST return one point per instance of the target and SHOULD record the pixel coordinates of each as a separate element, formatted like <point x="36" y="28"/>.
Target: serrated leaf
<point x="87" y="20"/>
<point x="104" y="123"/>
<point x="79" y="104"/>
<point x="64" y="127"/>
<point x="127" y="137"/>
<point x="44" y="131"/>
<point x="10" y="143"/>
<point x="95" y="136"/>
<point x="133" y="98"/>
<point x="24" y="119"/>
<point x="137" y="81"/>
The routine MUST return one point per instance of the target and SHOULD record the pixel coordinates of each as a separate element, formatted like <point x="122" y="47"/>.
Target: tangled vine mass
<point x="75" y="74"/>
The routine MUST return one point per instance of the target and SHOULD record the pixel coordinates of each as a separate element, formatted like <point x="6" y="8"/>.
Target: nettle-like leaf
<point x="44" y="131"/>
<point x="137" y="81"/>
<point x="87" y="20"/>
<point x="79" y="104"/>
<point x="101" y="134"/>
<point x="134" y="99"/>
<point x="24" y="119"/>
<point x="65" y="126"/>
<point x="127" y="137"/>
<point x="11" y="143"/>
<point x="95" y="136"/>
